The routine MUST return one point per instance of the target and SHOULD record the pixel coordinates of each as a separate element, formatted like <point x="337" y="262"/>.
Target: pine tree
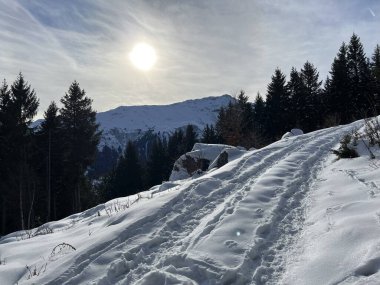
<point x="277" y="106"/>
<point x="229" y="124"/>
<point x="312" y="96"/>
<point x="80" y="140"/>
<point x="209" y="135"/>
<point x="360" y="77"/>
<point x="175" y="146"/>
<point x="127" y="177"/>
<point x="375" y="68"/>
<point x="5" y="158"/>
<point x="23" y="107"/>
<point x="245" y="111"/>
<point x="339" y="101"/>
<point x="259" y="115"/>
<point x="190" y="138"/>
<point x="49" y="140"/>
<point x="158" y="168"/>
<point x="298" y="105"/>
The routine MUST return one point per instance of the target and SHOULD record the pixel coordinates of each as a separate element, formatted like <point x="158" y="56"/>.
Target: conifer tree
<point x="175" y="146"/>
<point x="5" y="158"/>
<point x="209" y="135"/>
<point x="49" y="136"/>
<point x="127" y="178"/>
<point x="311" y="117"/>
<point x="158" y="169"/>
<point x="277" y="106"/>
<point x="360" y="77"/>
<point x="190" y="138"/>
<point x="375" y="68"/>
<point x="80" y="140"/>
<point x="245" y="112"/>
<point x="259" y="115"/>
<point x="297" y="96"/>
<point x="23" y="107"/>
<point x="339" y="101"/>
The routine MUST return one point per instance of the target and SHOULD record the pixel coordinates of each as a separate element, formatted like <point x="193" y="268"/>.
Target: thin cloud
<point x="204" y="47"/>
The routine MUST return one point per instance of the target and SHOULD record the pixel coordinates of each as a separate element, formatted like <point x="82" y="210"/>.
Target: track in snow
<point x="261" y="196"/>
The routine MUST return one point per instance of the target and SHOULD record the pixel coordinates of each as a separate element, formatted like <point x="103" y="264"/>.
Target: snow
<point x="289" y="213"/>
<point x="131" y="122"/>
<point x="292" y="133"/>
<point x="201" y="151"/>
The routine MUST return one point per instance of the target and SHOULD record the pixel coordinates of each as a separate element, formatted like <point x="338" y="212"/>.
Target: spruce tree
<point x="297" y="96"/>
<point x="80" y="139"/>
<point x="158" y="168"/>
<point x="127" y="177"/>
<point x="312" y="96"/>
<point x="360" y="77"/>
<point x="175" y="145"/>
<point x="5" y="157"/>
<point x="277" y="106"/>
<point x="209" y="135"/>
<point x="23" y="107"/>
<point x="375" y="68"/>
<point x="49" y="140"/>
<point x="259" y="115"/>
<point x="245" y="111"/>
<point x="339" y="101"/>
<point x="190" y="138"/>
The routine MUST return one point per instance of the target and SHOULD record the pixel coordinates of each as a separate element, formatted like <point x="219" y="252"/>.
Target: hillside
<point x="288" y="213"/>
<point x="133" y="122"/>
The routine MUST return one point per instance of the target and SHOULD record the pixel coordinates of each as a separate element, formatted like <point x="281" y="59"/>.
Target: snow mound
<point x="292" y="133"/>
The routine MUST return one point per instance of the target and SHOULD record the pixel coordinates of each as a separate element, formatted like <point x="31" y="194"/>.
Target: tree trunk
<point x="3" y="216"/>
<point x="48" y="218"/>
<point x="31" y="206"/>
<point x="20" y="190"/>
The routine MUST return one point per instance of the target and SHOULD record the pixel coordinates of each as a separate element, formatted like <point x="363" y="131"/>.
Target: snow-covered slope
<point x="130" y="122"/>
<point x="285" y="214"/>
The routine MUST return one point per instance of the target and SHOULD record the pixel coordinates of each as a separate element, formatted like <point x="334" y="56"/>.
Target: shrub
<point x="372" y="131"/>
<point x="345" y="150"/>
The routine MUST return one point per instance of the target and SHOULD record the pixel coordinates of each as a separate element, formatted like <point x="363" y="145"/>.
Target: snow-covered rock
<point x="199" y="158"/>
<point x="227" y="155"/>
<point x="292" y="133"/>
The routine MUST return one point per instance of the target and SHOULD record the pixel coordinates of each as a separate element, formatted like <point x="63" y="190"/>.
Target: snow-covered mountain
<point x="132" y="122"/>
<point x="289" y="213"/>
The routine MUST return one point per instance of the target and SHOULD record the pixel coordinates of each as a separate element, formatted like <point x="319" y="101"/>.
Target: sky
<point x="204" y="48"/>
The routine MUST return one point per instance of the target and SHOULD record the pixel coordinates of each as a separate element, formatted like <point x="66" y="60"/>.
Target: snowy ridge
<point x="131" y="122"/>
<point x="285" y="214"/>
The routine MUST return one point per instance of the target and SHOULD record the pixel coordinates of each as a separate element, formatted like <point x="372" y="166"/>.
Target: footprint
<point x="371" y="267"/>
<point x="230" y="243"/>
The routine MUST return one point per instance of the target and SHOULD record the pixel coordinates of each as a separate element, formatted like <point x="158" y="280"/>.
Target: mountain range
<point x="134" y="122"/>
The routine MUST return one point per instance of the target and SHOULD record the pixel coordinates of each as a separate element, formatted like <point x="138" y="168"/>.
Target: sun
<point x="143" y="56"/>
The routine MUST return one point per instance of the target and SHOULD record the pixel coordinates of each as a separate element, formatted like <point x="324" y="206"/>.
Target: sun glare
<point x="143" y="56"/>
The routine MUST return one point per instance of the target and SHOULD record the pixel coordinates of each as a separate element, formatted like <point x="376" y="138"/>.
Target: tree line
<point x="351" y="91"/>
<point x="42" y="170"/>
<point x="133" y="174"/>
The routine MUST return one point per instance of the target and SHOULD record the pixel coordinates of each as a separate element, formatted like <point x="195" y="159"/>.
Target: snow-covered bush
<point x="372" y="131"/>
<point x="346" y="148"/>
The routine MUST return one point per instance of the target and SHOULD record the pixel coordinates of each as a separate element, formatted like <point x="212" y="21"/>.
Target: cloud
<point x="204" y="47"/>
